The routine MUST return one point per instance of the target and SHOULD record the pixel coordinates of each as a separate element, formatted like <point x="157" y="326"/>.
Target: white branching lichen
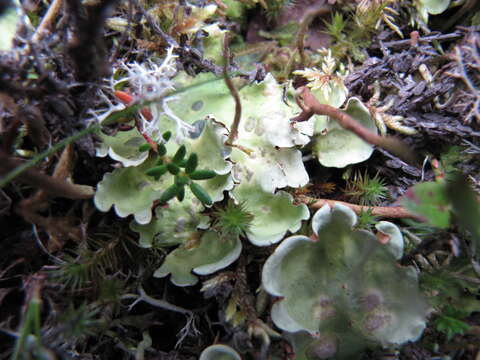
<point x="149" y="83"/>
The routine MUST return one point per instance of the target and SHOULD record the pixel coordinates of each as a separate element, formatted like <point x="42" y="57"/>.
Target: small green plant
<point x="365" y="190"/>
<point x="88" y="264"/>
<point x="273" y="8"/>
<point x="173" y="165"/>
<point x="79" y="322"/>
<point x="366" y="219"/>
<point x="450" y="321"/>
<point x="233" y="220"/>
<point x="336" y="26"/>
<point x="352" y="31"/>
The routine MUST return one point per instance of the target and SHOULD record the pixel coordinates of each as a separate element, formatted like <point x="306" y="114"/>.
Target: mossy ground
<point x="86" y="268"/>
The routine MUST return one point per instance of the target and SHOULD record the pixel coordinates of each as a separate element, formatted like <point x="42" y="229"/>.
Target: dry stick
<point x="308" y="17"/>
<point x="238" y="106"/>
<point x="47" y="20"/>
<point x="25" y="166"/>
<point x="392" y="212"/>
<point x="425" y="39"/>
<point x="311" y="106"/>
<point x="47" y="183"/>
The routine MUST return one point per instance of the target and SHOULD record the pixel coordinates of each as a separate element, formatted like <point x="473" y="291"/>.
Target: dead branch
<point x="233" y="90"/>
<point x="50" y="185"/>
<point x="420" y="40"/>
<point x="304" y="24"/>
<point x="392" y="212"/>
<point x="310" y="106"/>
<point x="47" y="20"/>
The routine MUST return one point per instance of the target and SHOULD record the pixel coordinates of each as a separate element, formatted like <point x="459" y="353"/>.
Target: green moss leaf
<point x="191" y="163"/>
<point x="180" y="154"/>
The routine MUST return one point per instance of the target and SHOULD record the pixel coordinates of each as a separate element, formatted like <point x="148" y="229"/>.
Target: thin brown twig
<point x="49" y="184"/>
<point x="233" y="90"/>
<point x="47" y="20"/>
<point x="425" y="39"/>
<point x="310" y="106"/>
<point x="307" y="18"/>
<point x="392" y="212"/>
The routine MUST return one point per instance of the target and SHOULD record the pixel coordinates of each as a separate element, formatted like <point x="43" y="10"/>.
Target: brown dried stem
<point x="49" y="184"/>
<point x="308" y="17"/>
<point x="392" y="212"/>
<point x="47" y="20"/>
<point x="421" y="40"/>
<point x="310" y="106"/>
<point x="238" y="106"/>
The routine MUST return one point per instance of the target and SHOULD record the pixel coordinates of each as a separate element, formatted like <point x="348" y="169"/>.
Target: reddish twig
<point x="307" y="18"/>
<point x="238" y="105"/>
<point x="310" y="106"/>
<point x="392" y="212"/>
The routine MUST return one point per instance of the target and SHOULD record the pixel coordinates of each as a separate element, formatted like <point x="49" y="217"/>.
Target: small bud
<point x="167" y="135"/>
<point x="117" y="23"/>
<point x="144" y="147"/>
<point x="157" y="171"/>
<point x="169" y="193"/>
<point x="162" y="150"/>
<point x="202" y="174"/>
<point x="180" y="154"/>
<point x="173" y="168"/>
<point x="181" y="193"/>
<point x="192" y="163"/>
<point x="123" y="96"/>
<point x="201" y="194"/>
